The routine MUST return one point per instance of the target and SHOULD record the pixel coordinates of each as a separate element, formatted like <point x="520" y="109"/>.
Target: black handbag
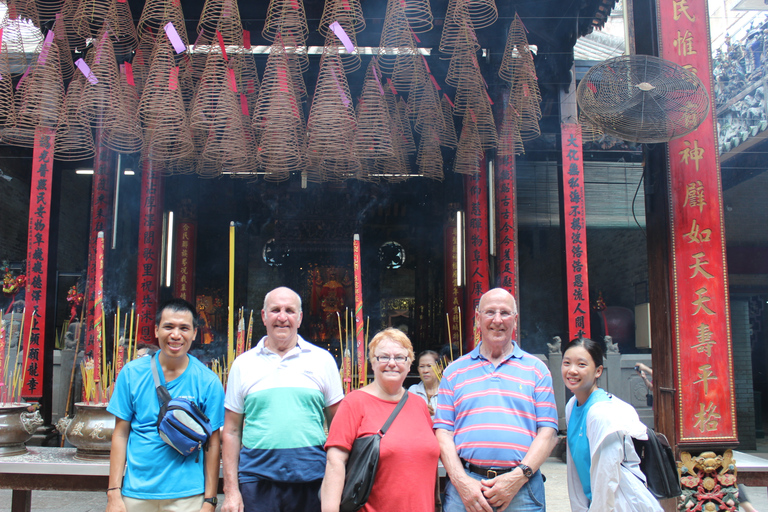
<point x="362" y="465"/>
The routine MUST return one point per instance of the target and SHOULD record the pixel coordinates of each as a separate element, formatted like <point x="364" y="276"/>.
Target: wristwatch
<point x="527" y="472"/>
<point x="213" y="501"/>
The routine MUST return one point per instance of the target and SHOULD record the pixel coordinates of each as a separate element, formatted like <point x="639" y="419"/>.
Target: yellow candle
<point x="231" y="318"/>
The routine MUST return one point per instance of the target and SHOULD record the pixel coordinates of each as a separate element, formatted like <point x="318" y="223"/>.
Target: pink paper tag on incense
<point x="85" y="70"/>
<point x="221" y="45"/>
<point x="46" y="47"/>
<point x="231" y="80"/>
<point x="343" y="37"/>
<point x="173" y="79"/>
<point x="415" y="36"/>
<point x="294" y="4"/>
<point x="97" y="60"/>
<point x="489" y="97"/>
<point x="173" y="36"/>
<point x="425" y="64"/>
<point x="250" y="88"/>
<point x="244" y="104"/>
<point x="129" y="74"/>
<point x="247" y="39"/>
<point x="449" y="100"/>
<point x="345" y="5"/>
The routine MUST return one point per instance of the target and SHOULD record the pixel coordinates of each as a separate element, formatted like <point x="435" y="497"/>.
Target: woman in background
<point x="427" y="388"/>
<point x="603" y="466"/>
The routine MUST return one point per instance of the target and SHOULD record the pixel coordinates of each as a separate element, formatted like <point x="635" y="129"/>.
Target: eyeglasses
<point x="386" y="359"/>
<point x="491" y="314"/>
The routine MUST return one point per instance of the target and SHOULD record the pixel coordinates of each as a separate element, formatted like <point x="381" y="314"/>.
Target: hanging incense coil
<point x="419" y="15"/>
<point x="99" y="95"/>
<point x="286" y="19"/>
<point x="350" y="61"/>
<point x="469" y="152"/>
<point x="157" y="14"/>
<point x="19" y="40"/>
<point x="278" y="120"/>
<point x="348" y="13"/>
<point x="402" y="135"/>
<point x="458" y="31"/>
<point x="430" y="157"/>
<point x="331" y="123"/>
<point x="248" y="83"/>
<point x="37" y="102"/>
<point x="222" y="16"/>
<point x="161" y="109"/>
<point x="62" y="44"/>
<point x="516" y="51"/>
<point x="49" y="9"/>
<point x="464" y="68"/>
<point x="92" y="17"/>
<point x="20" y="10"/>
<point x="447" y="135"/>
<point x="125" y="40"/>
<point x="6" y="87"/>
<point x="74" y="139"/>
<point x="205" y="113"/>
<point x="373" y="136"/>
<point x="75" y="40"/>
<point x="424" y="101"/>
<point x="526" y="99"/>
<point x="125" y="135"/>
<point x="510" y="142"/>
<point x="479" y="109"/>
<point x="397" y="50"/>
<point x="482" y="13"/>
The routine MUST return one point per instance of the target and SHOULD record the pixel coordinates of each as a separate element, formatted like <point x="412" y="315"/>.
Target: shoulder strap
<point x="162" y="393"/>
<point x="392" y="416"/>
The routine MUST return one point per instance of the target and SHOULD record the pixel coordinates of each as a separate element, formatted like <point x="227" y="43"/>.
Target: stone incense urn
<point x="17" y="425"/>
<point x="90" y="431"/>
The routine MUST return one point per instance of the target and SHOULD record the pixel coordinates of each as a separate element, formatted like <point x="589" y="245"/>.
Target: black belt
<point x="486" y="471"/>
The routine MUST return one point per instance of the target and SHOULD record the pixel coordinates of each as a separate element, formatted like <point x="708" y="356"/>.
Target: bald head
<point x="282" y="290"/>
<point x="498" y="294"/>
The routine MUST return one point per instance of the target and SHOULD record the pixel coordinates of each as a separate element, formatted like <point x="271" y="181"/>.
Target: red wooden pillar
<point x="150" y="251"/>
<point x="476" y="188"/>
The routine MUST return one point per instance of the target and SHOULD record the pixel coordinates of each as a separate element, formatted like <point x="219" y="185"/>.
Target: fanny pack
<point x="181" y="423"/>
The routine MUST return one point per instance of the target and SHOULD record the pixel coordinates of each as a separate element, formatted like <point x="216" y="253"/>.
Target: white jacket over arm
<point x="615" y="478"/>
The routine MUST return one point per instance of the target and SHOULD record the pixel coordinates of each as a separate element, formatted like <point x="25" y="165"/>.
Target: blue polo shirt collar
<point x="517" y="352"/>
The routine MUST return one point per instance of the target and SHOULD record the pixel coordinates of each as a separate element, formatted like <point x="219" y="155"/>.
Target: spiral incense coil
<point x="430" y="157"/>
<point x="14" y="24"/>
<point x="337" y="169"/>
<point x="469" y="152"/>
<point x="397" y="49"/>
<point x="162" y="111"/>
<point x="510" y="142"/>
<point x="458" y="31"/>
<point x="6" y="87"/>
<point x="49" y="9"/>
<point x="248" y="83"/>
<point x="38" y="101"/>
<point x="350" y="61"/>
<point x="373" y="137"/>
<point x="158" y="13"/>
<point x="126" y="38"/>
<point x="97" y="100"/>
<point x="287" y="19"/>
<point x="482" y="13"/>
<point x="222" y="16"/>
<point x="19" y="10"/>
<point x="93" y="16"/>
<point x="126" y="135"/>
<point x="331" y="123"/>
<point x="348" y="13"/>
<point x="76" y="41"/>
<point x="424" y="101"/>
<point x="74" y="139"/>
<point x="62" y="44"/>
<point x="479" y="108"/>
<point x="464" y="68"/>
<point x="419" y="15"/>
<point x="226" y="146"/>
<point x="516" y="50"/>
<point x="526" y="101"/>
<point x="447" y="135"/>
<point x="208" y="110"/>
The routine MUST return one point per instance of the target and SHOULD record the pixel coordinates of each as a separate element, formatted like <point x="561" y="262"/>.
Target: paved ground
<point x="556" y="486"/>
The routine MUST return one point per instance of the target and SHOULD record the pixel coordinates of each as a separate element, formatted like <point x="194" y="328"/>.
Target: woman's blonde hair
<point x="393" y="334"/>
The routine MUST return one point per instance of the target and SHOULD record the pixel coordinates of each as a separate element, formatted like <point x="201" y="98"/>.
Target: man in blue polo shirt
<point x="496" y="418"/>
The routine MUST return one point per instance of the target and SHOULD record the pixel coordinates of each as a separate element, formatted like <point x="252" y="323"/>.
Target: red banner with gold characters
<point x="701" y="320"/>
<point x="184" y="275"/>
<point x="150" y="252"/>
<point x="506" y="212"/>
<point x="101" y="208"/>
<point x="575" y="232"/>
<point x="359" y="335"/>
<point x="453" y="293"/>
<point x="476" y="246"/>
<point x="33" y="338"/>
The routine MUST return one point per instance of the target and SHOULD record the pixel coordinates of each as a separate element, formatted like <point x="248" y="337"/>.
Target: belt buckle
<point x="491" y="473"/>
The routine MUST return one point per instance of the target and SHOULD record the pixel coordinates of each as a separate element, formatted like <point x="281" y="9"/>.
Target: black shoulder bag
<point x="362" y="465"/>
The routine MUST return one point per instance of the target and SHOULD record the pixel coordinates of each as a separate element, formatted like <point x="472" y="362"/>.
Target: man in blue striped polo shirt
<point x="496" y="418"/>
